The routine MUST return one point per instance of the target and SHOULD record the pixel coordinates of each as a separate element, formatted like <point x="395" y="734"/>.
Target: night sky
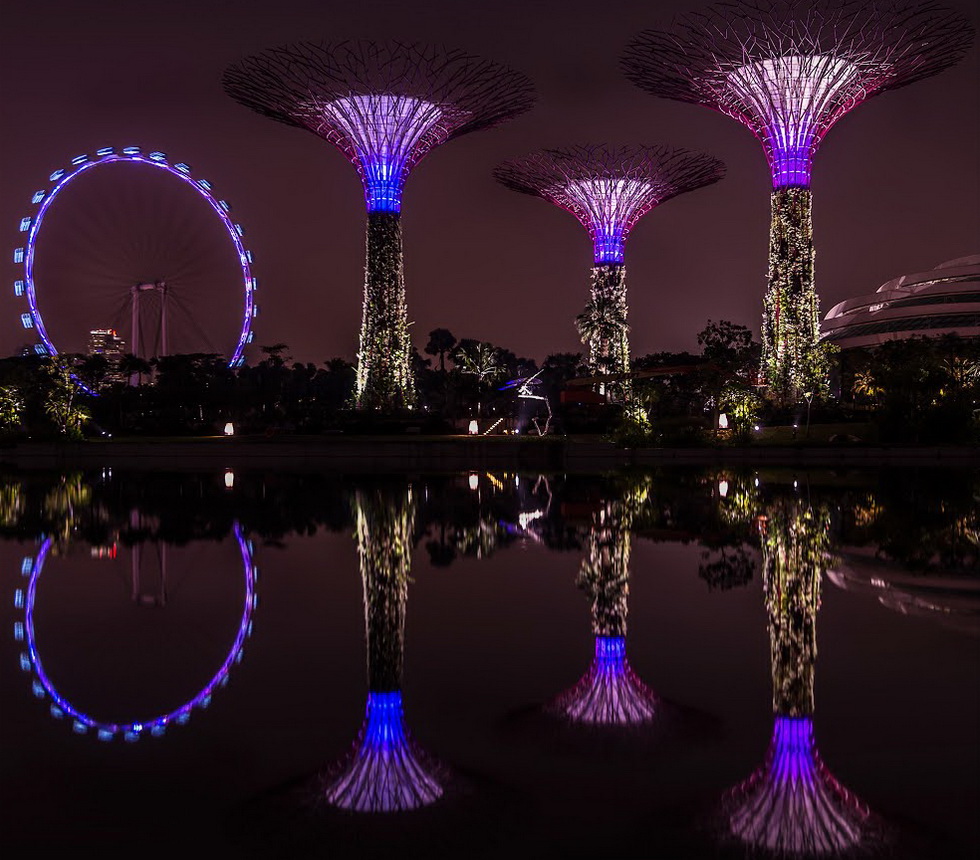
<point x="896" y="182"/>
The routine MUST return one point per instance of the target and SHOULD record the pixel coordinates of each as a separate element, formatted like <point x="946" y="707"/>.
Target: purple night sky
<point x="896" y="183"/>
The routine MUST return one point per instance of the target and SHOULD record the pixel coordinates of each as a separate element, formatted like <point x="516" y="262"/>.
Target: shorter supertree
<point x="608" y="191"/>
<point x="610" y="693"/>
<point x="793" y="806"/>
<point x="387" y="771"/>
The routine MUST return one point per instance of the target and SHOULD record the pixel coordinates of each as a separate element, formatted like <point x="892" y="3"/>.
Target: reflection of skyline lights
<point x="790" y="102"/>
<point x="385" y="774"/>
<point x="30" y="660"/>
<point x="384" y="136"/>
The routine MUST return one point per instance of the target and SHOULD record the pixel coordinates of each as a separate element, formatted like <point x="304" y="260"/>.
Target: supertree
<point x="384" y="106"/>
<point x="789" y="70"/>
<point x="387" y="771"/>
<point x="792" y="805"/>
<point x="610" y="693"/>
<point x="608" y="191"/>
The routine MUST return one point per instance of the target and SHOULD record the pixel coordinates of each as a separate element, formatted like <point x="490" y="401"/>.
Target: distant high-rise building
<point x="105" y="341"/>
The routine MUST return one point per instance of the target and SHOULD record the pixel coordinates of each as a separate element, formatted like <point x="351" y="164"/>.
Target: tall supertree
<point x="793" y="806"/>
<point x="610" y="693"/>
<point x="384" y="106"/>
<point x="387" y="771"/>
<point x="789" y="70"/>
<point x="608" y="191"/>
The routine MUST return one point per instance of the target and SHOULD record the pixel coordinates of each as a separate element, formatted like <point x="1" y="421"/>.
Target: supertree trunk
<point x="608" y="340"/>
<point x="384" y="362"/>
<point x="387" y="770"/>
<point x="795" y="549"/>
<point x="791" y="318"/>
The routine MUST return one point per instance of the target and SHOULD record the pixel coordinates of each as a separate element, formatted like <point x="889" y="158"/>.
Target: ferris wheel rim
<point x="42" y="199"/>
<point x="30" y="660"/>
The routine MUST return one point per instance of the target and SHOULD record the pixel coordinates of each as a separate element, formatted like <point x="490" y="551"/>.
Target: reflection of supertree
<point x="792" y="805"/>
<point x="610" y="692"/>
<point x="385" y="107"/>
<point x="789" y="70"/>
<point x="386" y="772"/>
<point x="608" y="191"/>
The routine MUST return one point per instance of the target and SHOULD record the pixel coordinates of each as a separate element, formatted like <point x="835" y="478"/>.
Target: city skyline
<point x="479" y="260"/>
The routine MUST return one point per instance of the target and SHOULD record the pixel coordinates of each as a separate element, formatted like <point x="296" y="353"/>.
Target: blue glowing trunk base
<point x="610" y="693"/>
<point x="386" y="772"/>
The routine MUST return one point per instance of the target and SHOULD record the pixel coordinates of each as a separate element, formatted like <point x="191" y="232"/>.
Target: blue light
<point x="793" y="752"/>
<point x="158" y="156"/>
<point x="385" y="728"/>
<point x="27" y="564"/>
<point x="79" y="159"/>
<point x="239" y="230"/>
<point x="19" y="598"/>
<point x="18" y="288"/>
<point x="104" y="735"/>
<point x="27" y="320"/>
<point x="79" y="728"/>
<point x="106" y="150"/>
<point x="19" y="630"/>
<point x="37" y="688"/>
<point x="224" y="205"/>
<point x="131" y="150"/>
<point x="18" y="255"/>
<point x="25" y="662"/>
<point x="40" y="349"/>
<point x="38" y="196"/>
<point x="610" y="653"/>
<point x="57" y="175"/>
<point x="183" y="168"/>
<point x="204" y="184"/>
<point x="25" y="224"/>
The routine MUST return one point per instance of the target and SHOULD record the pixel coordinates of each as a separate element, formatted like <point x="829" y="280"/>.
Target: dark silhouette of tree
<point x="441" y="341"/>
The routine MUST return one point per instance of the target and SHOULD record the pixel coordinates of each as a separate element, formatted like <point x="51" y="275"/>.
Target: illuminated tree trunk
<point x="795" y="549"/>
<point x="607" y="332"/>
<point x="384" y="369"/>
<point x="385" y="522"/>
<point x="791" y="323"/>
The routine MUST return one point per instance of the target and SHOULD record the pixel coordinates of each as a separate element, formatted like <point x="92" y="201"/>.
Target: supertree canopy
<point x="610" y="693"/>
<point x="384" y="106"/>
<point x="387" y="771"/>
<point x="608" y="191"/>
<point x="789" y="70"/>
<point x="793" y="806"/>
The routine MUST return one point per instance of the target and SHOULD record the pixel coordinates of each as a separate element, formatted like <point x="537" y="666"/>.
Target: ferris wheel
<point x="133" y="263"/>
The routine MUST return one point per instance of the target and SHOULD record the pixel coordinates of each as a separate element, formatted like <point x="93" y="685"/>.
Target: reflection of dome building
<point x="945" y="300"/>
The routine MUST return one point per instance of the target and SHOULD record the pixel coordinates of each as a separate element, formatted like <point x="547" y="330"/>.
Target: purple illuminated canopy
<point x="385" y="106"/>
<point x="790" y="69"/>
<point x="609" y="190"/>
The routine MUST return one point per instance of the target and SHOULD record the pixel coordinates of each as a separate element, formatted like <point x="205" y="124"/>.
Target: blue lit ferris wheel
<point x="26" y="287"/>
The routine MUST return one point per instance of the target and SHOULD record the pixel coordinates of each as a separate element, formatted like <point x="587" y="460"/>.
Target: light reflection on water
<point x="706" y="575"/>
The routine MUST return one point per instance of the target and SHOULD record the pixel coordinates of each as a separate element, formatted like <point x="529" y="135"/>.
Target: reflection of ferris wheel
<point x="30" y="659"/>
<point x="140" y="287"/>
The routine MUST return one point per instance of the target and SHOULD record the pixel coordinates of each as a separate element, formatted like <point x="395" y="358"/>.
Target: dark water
<point x="680" y="663"/>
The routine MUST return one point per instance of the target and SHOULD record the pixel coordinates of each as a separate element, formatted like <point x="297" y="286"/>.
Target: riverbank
<point x="450" y="453"/>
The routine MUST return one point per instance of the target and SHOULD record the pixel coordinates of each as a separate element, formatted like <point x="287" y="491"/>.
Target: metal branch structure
<point x="384" y="106"/>
<point x="608" y="190"/>
<point x="387" y="771"/>
<point x="610" y="693"/>
<point x="793" y="806"/>
<point x="789" y="70"/>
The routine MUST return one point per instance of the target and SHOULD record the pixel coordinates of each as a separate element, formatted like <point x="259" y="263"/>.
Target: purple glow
<point x="609" y="693"/>
<point x="82" y="722"/>
<point x="608" y="207"/>
<point x="790" y="102"/>
<point x="106" y="155"/>
<point x="792" y="805"/>
<point x="384" y="136"/>
<point x="385" y="774"/>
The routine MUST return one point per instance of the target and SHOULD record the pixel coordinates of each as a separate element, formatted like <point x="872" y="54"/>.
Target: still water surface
<point x="674" y="663"/>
